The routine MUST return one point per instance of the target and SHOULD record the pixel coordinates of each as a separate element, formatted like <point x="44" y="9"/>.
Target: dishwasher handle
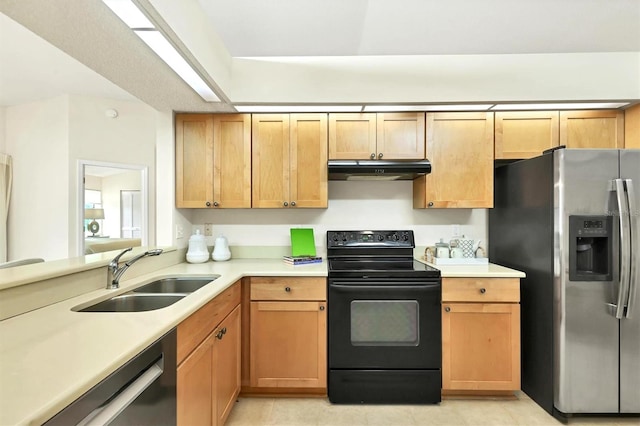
<point x="107" y="413"/>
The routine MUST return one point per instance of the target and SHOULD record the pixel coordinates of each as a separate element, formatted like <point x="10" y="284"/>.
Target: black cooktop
<point x="375" y="254"/>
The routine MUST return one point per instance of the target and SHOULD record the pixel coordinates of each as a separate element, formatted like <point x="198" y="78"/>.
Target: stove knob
<point x="395" y="237"/>
<point x="380" y="237"/>
<point x="335" y="238"/>
<point x="405" y="238"/>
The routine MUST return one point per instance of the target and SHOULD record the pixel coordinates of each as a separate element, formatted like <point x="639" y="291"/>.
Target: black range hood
<point x="378" y="169"/>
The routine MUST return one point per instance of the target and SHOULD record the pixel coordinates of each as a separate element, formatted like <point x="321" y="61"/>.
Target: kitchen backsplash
<point x="352" y="205"/>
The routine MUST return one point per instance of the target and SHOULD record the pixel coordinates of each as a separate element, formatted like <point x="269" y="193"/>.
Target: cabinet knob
<point x="287" y="289"/>
<point x="285" y="204"/>
<point x="215" y="204"/>
<point x="208" y="203"/>
<point x="219" y="335"/>
<point x="322" y="308"/>
<point x="430" y="204"/>
<point x="380" y="155"/>
<point x="447" y="309"/>
<point x="483" y="290"/>
<point x="224" y="330"/>
<point x="373" y="156"/>
<point x="293" y="204"/>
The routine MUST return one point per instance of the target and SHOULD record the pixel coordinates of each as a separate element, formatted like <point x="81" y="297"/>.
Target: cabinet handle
<point x="380" y="155"/>
<point x="215" y="204"/>
<point x="208" y="203"/>
<point x="447" y="309"/>
<point x="293" y="204"/>
<point x="373" y="156"/>
<point x="287" y="289"/>
<point x="285" y="204"/>
<point x="219" y="335"/>
<point x="224" y="330"/>
<point x="430" y="204"/>
<point x="322" y="308"/>
<point x="483" y="290"/>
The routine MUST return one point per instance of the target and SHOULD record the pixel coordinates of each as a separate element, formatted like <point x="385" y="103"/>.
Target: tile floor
<point x="454" y="412"/>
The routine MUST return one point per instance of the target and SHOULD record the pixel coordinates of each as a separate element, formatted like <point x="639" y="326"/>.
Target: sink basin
<point x="175" y="285"/>
<point x="132" y="302"/>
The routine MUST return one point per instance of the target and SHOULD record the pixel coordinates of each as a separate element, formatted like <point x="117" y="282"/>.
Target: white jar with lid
<point x="198" y="252"/>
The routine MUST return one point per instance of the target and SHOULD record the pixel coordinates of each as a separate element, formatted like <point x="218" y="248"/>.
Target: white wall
<point x="3" y="122"/>
<point x="37" y="137"/>
<point x="352" y="205"/>
<point x="46" y="140"/>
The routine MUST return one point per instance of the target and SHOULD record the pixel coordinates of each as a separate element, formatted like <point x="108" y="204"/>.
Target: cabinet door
<point x="460" y="148"/>
<point x="632" y="127"/>
<point x="227" y="365"/>
<point x="481" y="346"/>
<point x="194" y="160"/>
<point x="400" y="136"/>
<point x="194" y="389"/>
<point x="352" y="136"/>
<point x="308" y="171"/>
<point x="592" y="129"/>
<point x="288" y="344"/>
<point x="270" y="154"/>
<point x="232" y="161"/>
<point x="525" y="134"/>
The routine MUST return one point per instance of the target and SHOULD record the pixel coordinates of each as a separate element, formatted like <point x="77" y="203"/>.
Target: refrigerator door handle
<point x="634" y="242"/>
<point x="625" y="248"/>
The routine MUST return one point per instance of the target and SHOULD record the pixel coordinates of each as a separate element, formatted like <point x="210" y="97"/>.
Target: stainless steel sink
<point x="134" y="302"/>
<point x="175" y="285"/>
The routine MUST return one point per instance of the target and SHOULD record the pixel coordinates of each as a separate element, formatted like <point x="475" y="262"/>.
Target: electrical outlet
<point x="179" y="232"/>
<point x="208" y="230"/>
<point x="456" y="230"/>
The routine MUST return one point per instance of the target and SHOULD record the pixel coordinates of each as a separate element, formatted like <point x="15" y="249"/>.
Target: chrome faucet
<point x="115" y="272"/>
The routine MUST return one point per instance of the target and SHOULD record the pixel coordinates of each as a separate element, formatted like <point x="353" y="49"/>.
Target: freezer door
<point x="630" y="325"/>
<point x="586" y="334"/>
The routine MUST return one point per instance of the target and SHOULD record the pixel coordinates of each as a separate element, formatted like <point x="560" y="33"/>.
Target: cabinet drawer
<point x="193" y="330"/>
<point x="480" y="289"/>
<point x="288" y="288"/>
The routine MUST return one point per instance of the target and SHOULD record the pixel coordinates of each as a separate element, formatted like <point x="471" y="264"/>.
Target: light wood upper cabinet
<point x="289" y="160"/>
<point x="371" y="136"/>
<point x="632" y="127"/>
<point x="525" y="134"/>
<point x="232" y="161"/>
<point x="592" y="129"/>
<point x="308" y="158"/>
<point x="194" y="160"/>
<point x="480" y="334"/>
<point x="352" y="136"/>
<point x="460" y="148"/>
<point x="400" y="136"/>
<point x="213" y="161"/>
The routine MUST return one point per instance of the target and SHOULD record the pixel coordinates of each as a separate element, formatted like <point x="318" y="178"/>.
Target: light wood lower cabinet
<point x="208" y="374"/>
<point x="288" y="338"/>
<point x="480" y="335"/>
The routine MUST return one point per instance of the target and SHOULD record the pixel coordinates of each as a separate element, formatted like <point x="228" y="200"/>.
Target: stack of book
<point x="301" y="260"/>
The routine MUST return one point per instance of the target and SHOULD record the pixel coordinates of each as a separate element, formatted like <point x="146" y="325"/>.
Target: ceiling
<point x="100" y="56"/>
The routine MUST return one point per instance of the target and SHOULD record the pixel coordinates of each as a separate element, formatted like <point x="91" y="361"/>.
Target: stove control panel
<point x="372" y="239"/>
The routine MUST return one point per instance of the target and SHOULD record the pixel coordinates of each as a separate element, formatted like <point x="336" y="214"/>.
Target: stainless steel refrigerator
<point x="569" y="220"/>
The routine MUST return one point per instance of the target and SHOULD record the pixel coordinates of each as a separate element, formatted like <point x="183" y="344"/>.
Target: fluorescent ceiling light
<point x="129" y="13"/>
<point x="144" y="28"/>
<point x="451" y="107"/>
<point x="298" y="108"/>
<point x="575" y="105"/>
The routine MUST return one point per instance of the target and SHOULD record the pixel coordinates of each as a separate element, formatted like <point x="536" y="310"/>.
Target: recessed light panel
<point x="129" y="13"/>
<point x="442" y="107"/>
<point x="565" y="105"/>
<point x="298" y="108"/>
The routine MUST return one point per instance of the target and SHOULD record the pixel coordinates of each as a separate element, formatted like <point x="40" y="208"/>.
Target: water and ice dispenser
<point x="590" y="248"/>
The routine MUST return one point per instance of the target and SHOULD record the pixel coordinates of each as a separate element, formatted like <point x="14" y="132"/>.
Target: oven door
<point x="384" y="324"/>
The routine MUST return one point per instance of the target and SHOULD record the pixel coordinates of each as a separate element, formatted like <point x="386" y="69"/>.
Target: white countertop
<point x="51" y="356"/>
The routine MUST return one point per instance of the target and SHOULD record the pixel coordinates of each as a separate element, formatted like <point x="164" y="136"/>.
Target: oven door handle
<point x="381" y="285"/>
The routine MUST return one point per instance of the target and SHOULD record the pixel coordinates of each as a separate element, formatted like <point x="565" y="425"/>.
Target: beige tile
<point x="250" y="412"/>
<point x="445" y="414"/>
<point x="483" y="412"/>
<point x="397" y="415"/>
<point x="343" y="415"/>
<point x="296" y="411"/>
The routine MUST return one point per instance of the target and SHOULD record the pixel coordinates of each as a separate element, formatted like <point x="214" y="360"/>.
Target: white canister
<point x="221" y="249"/>
<point x="198" y="252"/>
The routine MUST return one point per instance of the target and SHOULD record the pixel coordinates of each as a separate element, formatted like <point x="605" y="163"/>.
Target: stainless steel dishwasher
<point x="141" y="392"/>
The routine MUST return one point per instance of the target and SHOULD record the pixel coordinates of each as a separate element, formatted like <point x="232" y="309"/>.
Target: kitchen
<point x="357" y="199"/>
